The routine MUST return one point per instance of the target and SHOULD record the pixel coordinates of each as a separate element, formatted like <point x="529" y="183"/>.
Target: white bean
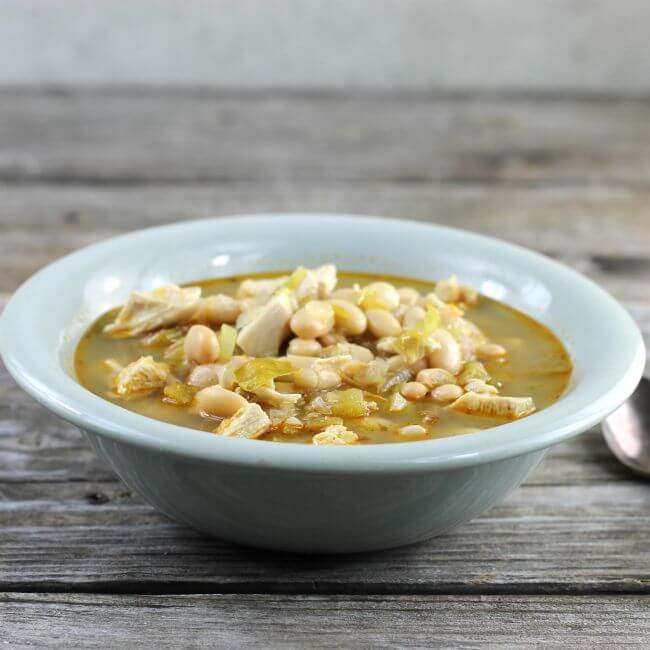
<point x="360" y="353"/>
<point x="218" y="309"/>
<point x="412" y="316"/>
<point x="408" y="296"/>
<point x="490" y="351"/>
<point x="380" y="295"/>
<point x="382" y="323"/>
<point x="349" y="318"/>
<point x="395" y="363"/>
<point x="411" y="430"/>
<point x="310" y="379"/>
<point x="479" y="386"/>
<point x="315" y="319"/>
<point x="201" y="345"/>
<point x="432" y="377"/>
<point x="448" y="290"/>
<point x="413" y="390"/>
<point x="216" y="400"/>
<point x="446" y="393"/>
<point x="304" y="347"/>
<point x="328" y="339"/>
<point x="448" y="356"/>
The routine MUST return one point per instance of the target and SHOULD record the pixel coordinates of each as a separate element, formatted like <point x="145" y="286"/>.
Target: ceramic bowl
<point x="300" y="497"/>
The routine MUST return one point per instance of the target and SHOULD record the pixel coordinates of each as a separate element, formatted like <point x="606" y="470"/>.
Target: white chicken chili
<point x="324" y="358"/>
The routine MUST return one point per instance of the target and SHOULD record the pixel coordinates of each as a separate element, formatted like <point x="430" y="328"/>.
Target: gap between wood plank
<point x="324" y="588"/>
<point x="100" y="181"/>
<point x="324" y="92"/>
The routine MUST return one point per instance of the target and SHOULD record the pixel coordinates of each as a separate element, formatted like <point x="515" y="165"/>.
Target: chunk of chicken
<point x="145" y="311"/>
<point x="317" y="283"/>
<point x="263" y="335"/>
<point x="249" y="422"/>
<point x="511" y="408"/>
<point x="260" y="288"/>
<point x="335" y="434"/>
<point x="468" y="335"/>
<point x="308" y="288"/>
<point x="142" y="375"/>
<point x="326" y="277"/>
<point x="275" y="398"/>
<point x="247" y="316"/>
<point x="448" y="290"/>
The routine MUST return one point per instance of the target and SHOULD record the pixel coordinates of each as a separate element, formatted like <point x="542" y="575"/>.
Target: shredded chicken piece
<point x="468" y="294"/>
<point x="248" y="315"/>
<point x="335" y="434"/>
<point x="307" y="289"/>
<point x="347" y="358"/>
<point x="448" y="290"/>
<point x="260" y="288"/>
<point x="317" y="284"/>
<point x="276" y="398"/>
<point x="150" y="310"/>
<point x="431" y="299"/>
<point x="249" y="422"/>
<point x="263" y="336"/>
<point x="366" y="374"/>
<point x="142" y="375"/>
<point x="511" y="408"/>
<point x="330" y="363"/>
<point x="205" y="375"/>
<point x="326" y="277"/>
<point x="469" y="337"/>
<point x="386" y="345"/>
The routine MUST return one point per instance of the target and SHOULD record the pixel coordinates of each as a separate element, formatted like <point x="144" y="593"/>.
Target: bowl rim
<point x="60" y="393"/>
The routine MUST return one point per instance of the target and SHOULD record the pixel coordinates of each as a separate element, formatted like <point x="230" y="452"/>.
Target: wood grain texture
<point x="165" y="137"/>
<point x="263" y="621"/>
<point x="564" y="560"/>
<point x="541" y="540"/>
<point x="601" y="232"/>
<point x="68" y="523"/>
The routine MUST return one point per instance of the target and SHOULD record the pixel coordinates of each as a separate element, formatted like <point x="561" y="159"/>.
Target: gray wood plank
<point x="66" y="522"/>
<point x="267" y="621"/>
<point x="565" y="176"/>
<point x="163" y="136"/>
<point x="601" y="231"/>
<point x="543" y="539"/>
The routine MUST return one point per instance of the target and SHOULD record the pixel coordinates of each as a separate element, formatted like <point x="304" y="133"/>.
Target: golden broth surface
<point x="537" y="365"/>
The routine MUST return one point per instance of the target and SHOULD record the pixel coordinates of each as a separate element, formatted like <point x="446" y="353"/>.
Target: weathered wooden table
<point x="565" y="561"/>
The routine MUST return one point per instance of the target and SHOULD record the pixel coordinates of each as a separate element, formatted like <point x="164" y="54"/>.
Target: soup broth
<point x="510" y="354"/>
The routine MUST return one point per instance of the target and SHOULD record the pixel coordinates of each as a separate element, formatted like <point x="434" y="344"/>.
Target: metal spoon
<point x="627" y="430"/>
